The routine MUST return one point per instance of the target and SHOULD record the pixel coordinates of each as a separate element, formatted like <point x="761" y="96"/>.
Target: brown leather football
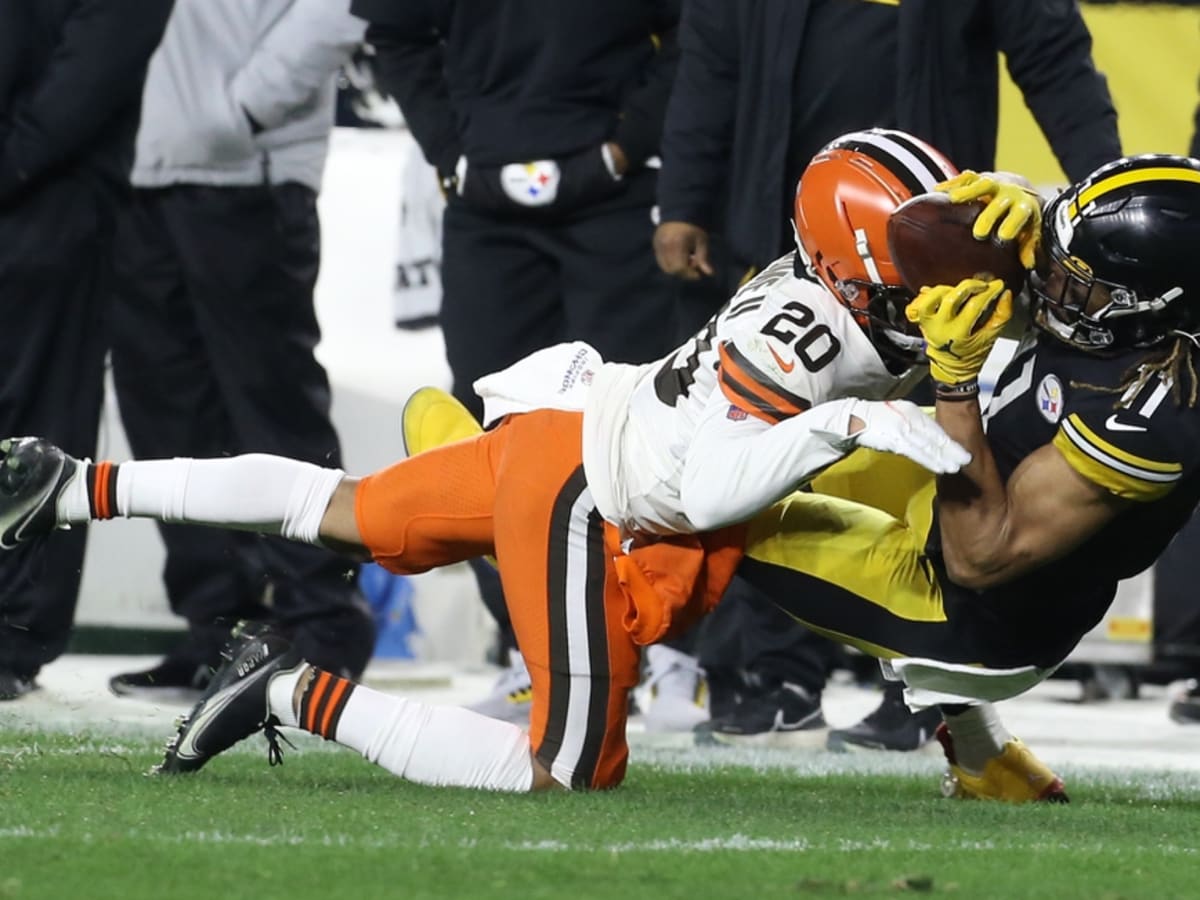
<point x="930" y="242"/>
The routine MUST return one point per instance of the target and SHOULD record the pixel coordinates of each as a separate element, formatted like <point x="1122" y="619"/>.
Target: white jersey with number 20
<point x="717" y="424"/>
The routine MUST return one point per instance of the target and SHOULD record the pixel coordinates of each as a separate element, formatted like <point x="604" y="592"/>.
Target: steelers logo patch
<point x="1050" y="399"/>
<point x="531" y="183"/>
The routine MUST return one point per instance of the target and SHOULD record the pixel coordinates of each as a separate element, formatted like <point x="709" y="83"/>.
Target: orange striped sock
<point x="322" y="703"/>
<point x="102" y="495"/>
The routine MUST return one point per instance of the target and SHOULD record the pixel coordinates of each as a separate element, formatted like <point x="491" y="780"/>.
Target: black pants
<point x="212" y="351"/>
<point x="54" y="283"/>
<point x="513" y="286"/>
<point x="749" y="634"/>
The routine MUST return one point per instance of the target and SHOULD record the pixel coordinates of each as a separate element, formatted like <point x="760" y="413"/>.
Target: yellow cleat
<point x="1014" y="775"/>
<point x="431" y="418"/>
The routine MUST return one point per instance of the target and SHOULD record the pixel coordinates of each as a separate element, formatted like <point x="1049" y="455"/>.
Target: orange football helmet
<point x="843" y="202"/>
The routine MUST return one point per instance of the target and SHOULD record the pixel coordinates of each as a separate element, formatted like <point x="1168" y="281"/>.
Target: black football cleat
<point x="33" y="472"/>
<point x="235" y="705"/>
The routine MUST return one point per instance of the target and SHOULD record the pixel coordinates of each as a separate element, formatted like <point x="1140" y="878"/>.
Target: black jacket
<point x="504" y="81"/>
<point x="724" y="140"/>
<point x="71" y="76"/>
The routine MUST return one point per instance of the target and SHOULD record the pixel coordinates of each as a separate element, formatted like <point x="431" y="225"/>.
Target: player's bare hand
<point x="682" y="250"/>
<point x="1011" y="213"/>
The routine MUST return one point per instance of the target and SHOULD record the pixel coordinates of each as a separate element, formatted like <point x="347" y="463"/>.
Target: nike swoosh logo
<point x="1112" y="423"/>
<point x="14" y="536"/>
<point x="786" y="366"/>
<point x="187" y="748"/>
<point x="782" y="725"/>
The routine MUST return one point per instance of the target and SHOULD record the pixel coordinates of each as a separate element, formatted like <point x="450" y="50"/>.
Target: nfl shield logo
<point x="531" y="183"/>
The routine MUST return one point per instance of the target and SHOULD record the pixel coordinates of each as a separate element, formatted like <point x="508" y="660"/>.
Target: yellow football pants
<point x="847" y="560"/>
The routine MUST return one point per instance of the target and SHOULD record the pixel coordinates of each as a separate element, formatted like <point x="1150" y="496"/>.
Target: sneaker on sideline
<point x="676" y="690"/>
<point x="1185" y="707"/>
<point x="785" y="715"/>
<point x="890" y="726"/>
<point x="511" y="697"/>
<point x="14" y="685"/>
<point x="179" y="675"/>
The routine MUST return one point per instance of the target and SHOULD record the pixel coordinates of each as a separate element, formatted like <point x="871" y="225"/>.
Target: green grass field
<point x="79" y="819"/>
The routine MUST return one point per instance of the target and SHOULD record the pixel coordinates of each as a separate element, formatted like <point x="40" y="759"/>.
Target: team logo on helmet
<point x="1077" y="266"/>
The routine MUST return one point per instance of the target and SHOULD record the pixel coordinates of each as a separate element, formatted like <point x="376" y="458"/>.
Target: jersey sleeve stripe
<point x="731" y="354"/>
<point x="1110" y="473"/>
<point x="749" y="384"/>
<point x="743" y="399"/>
<point x="1077" y="426"/>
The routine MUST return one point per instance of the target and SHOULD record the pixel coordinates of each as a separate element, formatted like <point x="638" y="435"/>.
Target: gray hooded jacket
<point x="223" y="63"/>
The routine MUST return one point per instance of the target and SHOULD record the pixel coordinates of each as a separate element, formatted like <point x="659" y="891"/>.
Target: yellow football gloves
<point x="1012" y="212"/>
<point x="960" y="324"/>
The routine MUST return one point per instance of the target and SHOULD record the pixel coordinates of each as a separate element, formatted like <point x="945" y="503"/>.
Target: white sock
<point x="281" y="692"/>
<point x="978" y="735"/>
<point x="254" y="492"/>
<point x="436" y="745"/>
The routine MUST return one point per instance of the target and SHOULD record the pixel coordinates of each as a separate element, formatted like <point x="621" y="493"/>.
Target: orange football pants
<point x="519" y="492"/>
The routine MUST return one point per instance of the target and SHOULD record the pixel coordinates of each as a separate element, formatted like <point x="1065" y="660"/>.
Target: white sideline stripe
<point x="732" y="843"/>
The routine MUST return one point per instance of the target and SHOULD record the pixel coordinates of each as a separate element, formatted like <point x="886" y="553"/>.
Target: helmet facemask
<point x="878" y="308"/>
<point x="1086" y="312"/>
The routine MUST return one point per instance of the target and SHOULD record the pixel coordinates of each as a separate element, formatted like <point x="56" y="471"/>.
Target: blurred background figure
<point x="71" y="76"/>
<point x="214" y="327"/>
<point x="761" y="86"/>
<point x="543" y="121"/>
<point x="1185" y="707"/>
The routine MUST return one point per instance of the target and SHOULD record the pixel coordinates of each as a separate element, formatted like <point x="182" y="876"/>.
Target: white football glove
<point x="901" y="427"/>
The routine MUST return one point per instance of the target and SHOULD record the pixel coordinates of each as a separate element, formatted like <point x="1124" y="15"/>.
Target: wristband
<point x="955" y="393"/>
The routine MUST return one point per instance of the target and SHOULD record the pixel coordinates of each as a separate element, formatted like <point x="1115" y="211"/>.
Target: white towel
<point x="929" y="682"/>
<point x="557" y="377"/>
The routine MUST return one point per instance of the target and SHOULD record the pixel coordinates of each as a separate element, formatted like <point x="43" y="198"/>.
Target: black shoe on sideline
<point x="14" y="685"/>
<point x="890" y="726"/>
<point x="1185" y="707"/>
<point x="235" y="705"/>
<point x="178" y="676"/>
<point x="785" y="715"/>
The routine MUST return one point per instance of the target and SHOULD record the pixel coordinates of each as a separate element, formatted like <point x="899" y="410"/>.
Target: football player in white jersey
<point x="613" y="497"/>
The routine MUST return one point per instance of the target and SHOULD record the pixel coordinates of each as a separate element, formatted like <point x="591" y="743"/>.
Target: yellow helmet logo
<point x="1077" y="266"/>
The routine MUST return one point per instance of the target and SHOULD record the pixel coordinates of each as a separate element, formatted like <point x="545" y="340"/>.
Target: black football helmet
<point x="1132" y="228"/>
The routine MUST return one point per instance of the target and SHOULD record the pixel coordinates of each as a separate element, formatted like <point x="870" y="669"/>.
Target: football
<point x="930" y="242"/>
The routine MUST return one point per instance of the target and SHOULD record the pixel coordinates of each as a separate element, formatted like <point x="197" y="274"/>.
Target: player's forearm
<point x="729" y="476"/>
<point x="973" y="505"/>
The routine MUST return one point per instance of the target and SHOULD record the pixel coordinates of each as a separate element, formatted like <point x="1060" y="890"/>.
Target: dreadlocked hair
<point x="1174" y="363"/>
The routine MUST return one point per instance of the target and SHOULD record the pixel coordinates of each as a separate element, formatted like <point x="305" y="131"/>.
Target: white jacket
<point x="221" y="59"/>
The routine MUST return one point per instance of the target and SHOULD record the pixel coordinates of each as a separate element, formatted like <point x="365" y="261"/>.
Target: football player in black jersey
<point x="1089" y="465"/>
